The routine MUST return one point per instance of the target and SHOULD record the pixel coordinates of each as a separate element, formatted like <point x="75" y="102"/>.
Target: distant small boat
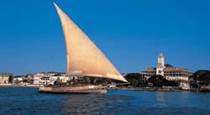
<point x="83" y="59"/>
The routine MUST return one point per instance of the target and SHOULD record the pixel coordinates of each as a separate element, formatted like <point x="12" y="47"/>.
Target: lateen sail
<point x="83" y="57"/>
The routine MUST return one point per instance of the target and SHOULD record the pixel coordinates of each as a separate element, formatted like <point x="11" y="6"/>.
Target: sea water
<point x="27" y="101"/>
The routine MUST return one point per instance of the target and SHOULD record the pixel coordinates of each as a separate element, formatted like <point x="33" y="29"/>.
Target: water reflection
<point x="93" y="104"/>
<point x="88" y="104"/>
<point x="160" y="100"/>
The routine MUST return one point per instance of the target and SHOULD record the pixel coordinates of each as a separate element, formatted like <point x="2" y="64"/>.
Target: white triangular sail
<point x="83" y="57"/>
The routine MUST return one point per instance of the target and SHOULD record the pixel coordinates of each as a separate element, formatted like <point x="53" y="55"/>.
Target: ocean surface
<point x="27" y="101"/>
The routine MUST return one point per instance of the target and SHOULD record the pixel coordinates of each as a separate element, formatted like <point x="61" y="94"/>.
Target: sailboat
<point x="84" y="58"/>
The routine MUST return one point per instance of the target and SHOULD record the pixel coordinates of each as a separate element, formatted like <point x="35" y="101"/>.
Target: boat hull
<point x="74" y="90"/>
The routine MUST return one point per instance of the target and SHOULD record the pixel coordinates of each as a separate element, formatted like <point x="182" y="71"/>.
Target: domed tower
<point x="160" y="65"/>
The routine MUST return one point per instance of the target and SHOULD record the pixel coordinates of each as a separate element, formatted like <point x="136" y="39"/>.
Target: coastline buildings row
<point x="37" y="79"/>
<point x="169" y="72"/>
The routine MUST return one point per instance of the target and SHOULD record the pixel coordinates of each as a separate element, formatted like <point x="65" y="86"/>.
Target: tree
<point x="201" y="77"/>
<point x="136" y="79"/>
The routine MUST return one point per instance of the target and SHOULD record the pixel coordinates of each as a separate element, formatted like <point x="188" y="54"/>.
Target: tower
<point x="160" y="65"/>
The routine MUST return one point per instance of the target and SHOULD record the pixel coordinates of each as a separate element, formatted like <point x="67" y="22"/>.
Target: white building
<point x="168" y="71"/>
<point x="49" y="78"/>
<point x="5" y="78"/>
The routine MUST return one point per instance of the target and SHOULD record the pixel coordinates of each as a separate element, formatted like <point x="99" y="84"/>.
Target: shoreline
<point x="156" y="89"/>
<point x="151" y="89"/>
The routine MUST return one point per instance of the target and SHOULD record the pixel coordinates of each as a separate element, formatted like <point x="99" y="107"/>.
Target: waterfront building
<point x="168" y="71"/>
<point x="5" y="78"/>
<point x="17" y="80"/>
<point x="23" y="80"/>
<point x="49" y="78"/>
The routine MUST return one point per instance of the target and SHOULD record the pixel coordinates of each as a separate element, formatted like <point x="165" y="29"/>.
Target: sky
<point x="131" y="33"/>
